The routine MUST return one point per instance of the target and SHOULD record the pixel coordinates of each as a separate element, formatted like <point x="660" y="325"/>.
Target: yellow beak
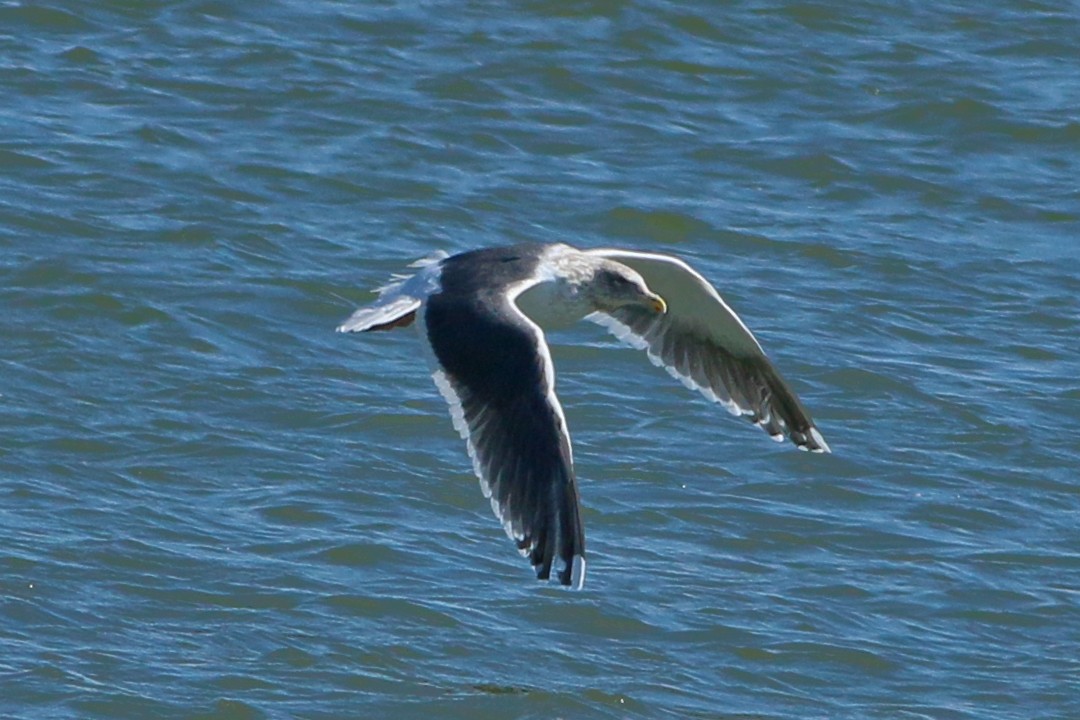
<point x="658" y="304"/>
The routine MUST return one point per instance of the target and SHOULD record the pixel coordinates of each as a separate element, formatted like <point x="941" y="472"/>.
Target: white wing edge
<point x="624" y="334"/>
<point x="457" y="416"/>
<point x="577" y="574"/>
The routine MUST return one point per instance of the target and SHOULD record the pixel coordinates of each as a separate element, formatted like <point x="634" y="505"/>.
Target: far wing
<point x="384" y="314"/>
<point x="399" y="300"/>
<point x="703" y="343"/>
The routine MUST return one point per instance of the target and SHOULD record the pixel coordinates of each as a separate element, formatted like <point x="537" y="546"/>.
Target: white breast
<point x="554" y="304"/>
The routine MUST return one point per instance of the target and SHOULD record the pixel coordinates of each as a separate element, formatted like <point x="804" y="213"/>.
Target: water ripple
<point x="214" y="507"/>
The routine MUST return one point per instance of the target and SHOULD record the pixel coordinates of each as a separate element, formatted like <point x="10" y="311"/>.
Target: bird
<point x="480" y="315"/>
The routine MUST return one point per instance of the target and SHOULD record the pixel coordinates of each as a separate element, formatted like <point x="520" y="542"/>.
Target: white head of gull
<point x="479" y="315"/>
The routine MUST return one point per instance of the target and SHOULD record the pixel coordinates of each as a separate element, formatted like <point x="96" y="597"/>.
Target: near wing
<point x="497" y="375"/>
<point x="703" y="343"/>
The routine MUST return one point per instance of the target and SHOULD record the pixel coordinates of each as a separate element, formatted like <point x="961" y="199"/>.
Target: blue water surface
<point x="212" y="506"/>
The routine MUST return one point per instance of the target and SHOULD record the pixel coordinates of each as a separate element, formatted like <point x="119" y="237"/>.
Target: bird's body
<point x="480" y="314"/>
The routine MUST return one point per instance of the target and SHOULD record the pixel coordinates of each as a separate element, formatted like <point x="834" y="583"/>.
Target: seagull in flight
<point x="479" y="316"/>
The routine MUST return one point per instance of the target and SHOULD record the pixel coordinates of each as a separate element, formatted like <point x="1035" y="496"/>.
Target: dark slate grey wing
<point x="497" y="375"/>
<point x="703" y="343"/>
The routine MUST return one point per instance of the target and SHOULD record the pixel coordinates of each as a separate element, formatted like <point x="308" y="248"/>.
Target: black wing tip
<point x="571" y="574"/>
<point x="807" y="438"/>
<point x="811" y="440"/>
